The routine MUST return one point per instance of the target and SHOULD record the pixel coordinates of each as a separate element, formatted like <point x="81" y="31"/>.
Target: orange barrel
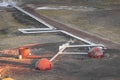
<point x="24" y="52"/>
<point x="44" y="64"/>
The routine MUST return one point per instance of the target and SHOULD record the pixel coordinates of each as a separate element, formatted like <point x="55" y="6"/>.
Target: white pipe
<point x="35" y="29"/>
<point x="86" y="41"/>
<point x="95" y="45"/>
<point x="51" y="27"/>
<point x="73" y="53"/>
<point x="34" y="17"/>
<point x="57" y="54"/>
<point x="47" y="31"/>
<point x="65" y="32"/>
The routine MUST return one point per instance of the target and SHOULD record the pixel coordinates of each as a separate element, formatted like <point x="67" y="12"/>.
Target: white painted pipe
<point x="50" y="27"/>
<point x="34" y="17"/>
<point x="65" y="32"/>
<point x="95" y="45"/>
<point x="35" y="29"/>
<point x="55" y="56"/>
<point x="86" y="41"/>
<point x="47" y="31"/>
<point x="73" y="53"/>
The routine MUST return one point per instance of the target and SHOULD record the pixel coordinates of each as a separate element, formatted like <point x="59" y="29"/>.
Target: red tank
<point x="44" y="64"/>
<point x="96" y="52"/>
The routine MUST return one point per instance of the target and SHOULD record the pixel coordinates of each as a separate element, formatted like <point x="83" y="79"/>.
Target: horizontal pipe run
<point x="49" y="31"/>
<point x="35" y="29"/>
<point x="50" y="27"/>
<point x="67" y="53"/>
<point x="72" y="53"/>
<point x="62" y="31"/>
<point x="95" y="45"/>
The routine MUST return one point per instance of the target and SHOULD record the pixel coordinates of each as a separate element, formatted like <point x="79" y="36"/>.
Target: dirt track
<point x="76" y="32"/>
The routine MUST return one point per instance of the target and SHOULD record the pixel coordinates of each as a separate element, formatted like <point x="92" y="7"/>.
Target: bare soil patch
<point x="102" y="22"/>
<point x="66" y="67"/>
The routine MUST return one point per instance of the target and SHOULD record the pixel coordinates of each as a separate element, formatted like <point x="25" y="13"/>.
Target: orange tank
<point x="44" y="64"/>
<point x="24" y="52"/>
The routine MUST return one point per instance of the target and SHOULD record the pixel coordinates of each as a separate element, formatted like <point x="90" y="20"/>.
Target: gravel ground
<point x="102" y="22"/>
<point x="66" y="67"/>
